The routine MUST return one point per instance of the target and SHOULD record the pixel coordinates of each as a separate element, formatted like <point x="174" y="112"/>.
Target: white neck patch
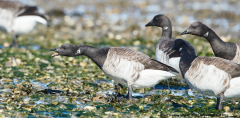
<point x="205" y="35"/>
<point x="180" y="49"/>
<point x="165" y="27"/>
<point x="78" y="51"/>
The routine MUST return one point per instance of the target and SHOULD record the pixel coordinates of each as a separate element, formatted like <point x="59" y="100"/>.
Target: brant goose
<point x="125" y="66"/>
<point x="210" y="75"/>
<point x="226" y="50"/>
<point x="17" y="18"/>
<point x="163" y="52"/>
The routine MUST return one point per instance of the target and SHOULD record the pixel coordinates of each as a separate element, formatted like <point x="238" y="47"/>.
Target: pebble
<point x="108" y="113"/>
<point x="54" y="103"/>
<point x="89" y="108"/>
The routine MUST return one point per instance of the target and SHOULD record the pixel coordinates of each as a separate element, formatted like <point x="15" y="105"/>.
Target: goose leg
<point x="129" y="95"/>
<point x="186" y="91"/>
<point x="168" y="85"/>
<point x="14" y="43"/>
<point x="219" y="102"/>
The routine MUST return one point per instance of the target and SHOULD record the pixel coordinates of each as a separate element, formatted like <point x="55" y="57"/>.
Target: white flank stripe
<point x="149" y="78"/>
<point x="233" y="90"/>
<point x="25" y="24"/>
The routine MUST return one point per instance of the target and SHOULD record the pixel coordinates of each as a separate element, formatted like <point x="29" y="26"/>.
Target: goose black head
<point x="179" y="44"/>
<point x="198" y="29"/>
<point x="66" y="50"/>
<point x="160" y="21"/>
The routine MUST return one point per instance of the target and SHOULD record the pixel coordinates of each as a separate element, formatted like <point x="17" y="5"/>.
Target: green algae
<point x="82" y="84"/>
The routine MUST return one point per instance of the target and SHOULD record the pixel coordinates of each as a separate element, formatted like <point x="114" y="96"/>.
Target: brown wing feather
<point x="10" y="4"/>
<point x="20" y="9"/>
<point x="166" y="47"/>
<point x="136" y="56"/>
<point x="14" y="6"/>
<point x="230" y="67"/>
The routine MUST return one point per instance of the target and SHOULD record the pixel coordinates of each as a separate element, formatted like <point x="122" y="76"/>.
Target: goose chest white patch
<point x="174" y="62"/>
<point x="207" y="78"/>
<point x="162" y="57"/>
<point x="236" y="59"/>
<point x="205" y="35"/>
<point x="78" y="52"/>
<point x="180" y="49"/>
<point x="165" y="27"/>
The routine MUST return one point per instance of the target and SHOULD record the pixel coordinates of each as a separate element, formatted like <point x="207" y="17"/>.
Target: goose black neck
<point x="226" y="50"/>
<point x="215" y="42"/>
<point x="213" y="37"/>
<point x="167" y="31"/>
<point x="186" y="52"/>
<point x="88" y="51"/>
<point x="187" y="57"/>
<point x="97" y="55"/>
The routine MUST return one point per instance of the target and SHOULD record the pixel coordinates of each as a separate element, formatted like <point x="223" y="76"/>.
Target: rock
<point x="61" y="106"/>
<point x="7" y="80"/>
<point x="136" y="43"/>
<point x="211" y="102"/>
<point x="86" y="100"/>
<point x="10" y="108"/>
<point x="44" y="61"/>
<point x="108" y="112"/>
<point x="141" y="107"/>
<point x="18" y="61"/>
<point x="70" y="58"/>
<point x="54" y="103"/>
<point x="99" y="99"/>
<point x="6" y="44"/>
<point x="82" y="64"/>
<point x="89" y="108"/>
<point x="26" y="100"/>
<point x="103" y="84"/>
<point x="115" y="114"/>
<point x="8" y="64"/>
<point x="226" y="108"/>
<point x="227" y="114"/>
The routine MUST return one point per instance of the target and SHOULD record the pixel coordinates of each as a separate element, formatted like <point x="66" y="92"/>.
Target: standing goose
<point x="210" y="75"/>
<point x="163" y="51"/>
<point x="17" y="18"/>
<point x="226" y="50"/>
<point x="125" y="66"/>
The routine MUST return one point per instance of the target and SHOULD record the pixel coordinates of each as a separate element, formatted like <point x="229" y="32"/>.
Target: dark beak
<point x="54" y="54"/>
<point x="53" y="49"/>
<point x="185" y="32"/>
<point x="149" y="24"/>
